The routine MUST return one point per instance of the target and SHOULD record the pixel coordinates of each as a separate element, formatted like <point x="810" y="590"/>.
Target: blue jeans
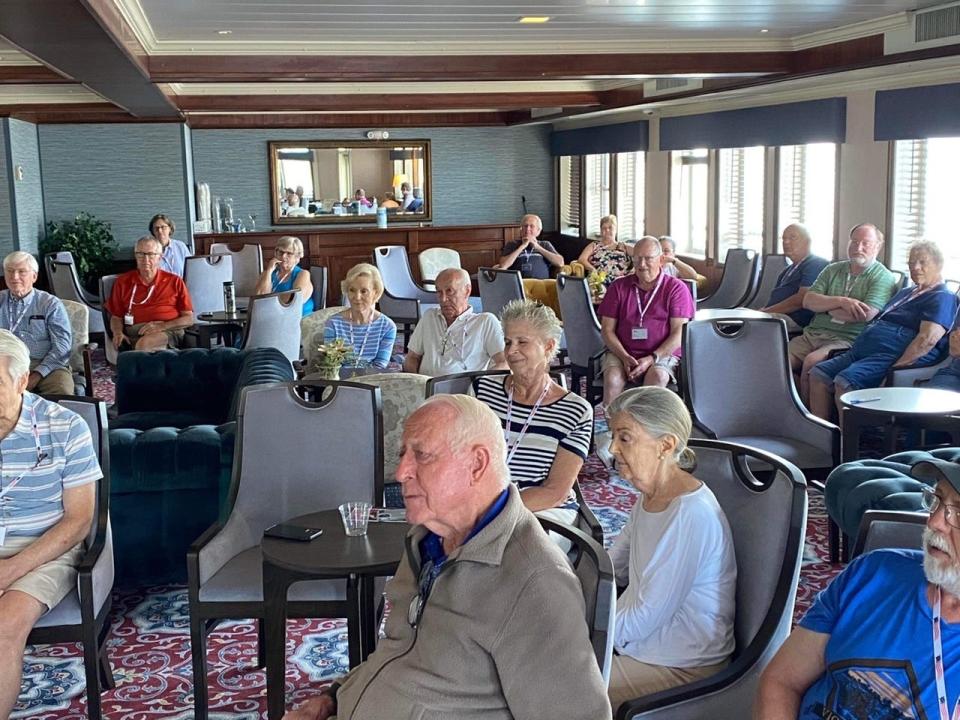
<point x="947" y="378"/>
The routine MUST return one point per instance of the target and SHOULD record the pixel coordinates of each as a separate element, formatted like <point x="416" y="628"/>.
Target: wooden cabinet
<point x="339" y="249"/>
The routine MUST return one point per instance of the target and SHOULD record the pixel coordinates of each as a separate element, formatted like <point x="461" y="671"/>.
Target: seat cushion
<point x="801" y="454"/>
<point x="147" y="419"/>
<point x="67" y="612"/>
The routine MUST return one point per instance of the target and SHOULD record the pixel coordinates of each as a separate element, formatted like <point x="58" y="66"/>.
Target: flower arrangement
<point x="331" y="356"/>
<point x="597" y="281"/>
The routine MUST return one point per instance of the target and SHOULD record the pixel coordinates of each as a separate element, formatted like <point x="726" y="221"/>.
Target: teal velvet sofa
<point x="172" y="435"/>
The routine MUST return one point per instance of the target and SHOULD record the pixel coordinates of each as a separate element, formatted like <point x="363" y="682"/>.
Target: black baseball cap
<point x="935" y="470"/>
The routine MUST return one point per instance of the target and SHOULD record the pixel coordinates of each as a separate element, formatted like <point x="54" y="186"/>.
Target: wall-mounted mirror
<point x="343" y="181"/>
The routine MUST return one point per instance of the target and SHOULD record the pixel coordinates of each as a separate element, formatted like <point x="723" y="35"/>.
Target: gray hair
<point x="654" y="242"/>
<point x="804" y="233"/>
<point x="290" y="244"/>
<point x="876" y="231"/>
<point x="535" y="217"/>
<point x="925" y="246"/>
<point x="542" y="318"/>
<point x="18" y="357"/>
<point x="18" y="257"/>
<point x="669" y="240"/>
<point x="462" y="276"/>
<point x="659" y="412"/>
<point x="148" y="239"/>
<point x="474" y="423"/>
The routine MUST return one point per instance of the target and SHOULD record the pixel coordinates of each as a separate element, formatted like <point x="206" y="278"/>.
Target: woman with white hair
<point x="674" y="621"/>
<point x="283" y="273"/>
<point x="371" y="333"/>
<point x="547" y="427"/>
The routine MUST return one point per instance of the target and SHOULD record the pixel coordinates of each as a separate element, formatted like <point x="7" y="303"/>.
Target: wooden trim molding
<point x="347" y="120"/>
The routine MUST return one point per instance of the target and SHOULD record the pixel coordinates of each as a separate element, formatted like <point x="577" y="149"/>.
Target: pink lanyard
<point x="938" y="666"/>
<point x="512" y="450"/>
<point x="41" y="456"/>
<point x="641" y="307"/>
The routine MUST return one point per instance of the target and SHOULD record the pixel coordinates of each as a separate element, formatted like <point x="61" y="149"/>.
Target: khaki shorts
<point x="668" y="363"/>
<point x="174" y="337"/>
<point x="51" y="582"/>
<point x="811" y="340"/>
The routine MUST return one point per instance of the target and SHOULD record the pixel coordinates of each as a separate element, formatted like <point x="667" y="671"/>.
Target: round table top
<point x="729" y="314"/>
<point x="240" y="316"/>
<point x="333" y="553"/>
<point x="904" y="400"/>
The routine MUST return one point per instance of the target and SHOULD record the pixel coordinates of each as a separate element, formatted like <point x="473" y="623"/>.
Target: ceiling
<point x="278" y="63"/>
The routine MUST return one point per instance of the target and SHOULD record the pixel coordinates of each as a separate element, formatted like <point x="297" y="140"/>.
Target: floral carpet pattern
<point x="149" y="642"/>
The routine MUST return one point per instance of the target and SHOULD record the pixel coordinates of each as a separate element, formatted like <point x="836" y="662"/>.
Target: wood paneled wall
<point x="339" y="249"/>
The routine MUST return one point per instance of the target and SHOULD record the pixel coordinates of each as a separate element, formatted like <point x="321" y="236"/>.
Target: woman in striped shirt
<point x="547" y="428"/>
<point x="370" y="332"/>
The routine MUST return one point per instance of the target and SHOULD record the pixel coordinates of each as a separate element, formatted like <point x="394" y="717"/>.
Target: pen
<point x="865" y="400"/>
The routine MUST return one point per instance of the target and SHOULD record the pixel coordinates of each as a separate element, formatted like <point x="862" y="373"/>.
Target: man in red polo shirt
<point x="149" y="307"/>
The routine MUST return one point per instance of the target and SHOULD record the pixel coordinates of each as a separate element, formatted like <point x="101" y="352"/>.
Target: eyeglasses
<point x="931" y="502"/>
<point x="142" y="255"/>
<point x="285" y="253"/>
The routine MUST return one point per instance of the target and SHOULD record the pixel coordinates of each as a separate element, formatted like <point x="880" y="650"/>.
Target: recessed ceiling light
<point x="230" y="32"/>
<point x="534" y="19"/>
<point x="764" y="30"/>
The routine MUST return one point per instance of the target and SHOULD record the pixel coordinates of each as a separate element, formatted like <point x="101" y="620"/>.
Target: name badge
<point x="128" y="320"/>
<point x="838" y="321"/>
<point x="526" y="268"/>
<point x="638" y="333"/>
<point x="3" y="534"/>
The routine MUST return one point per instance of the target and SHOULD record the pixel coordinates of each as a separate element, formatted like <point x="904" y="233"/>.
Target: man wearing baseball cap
<point x="883" y="640"/>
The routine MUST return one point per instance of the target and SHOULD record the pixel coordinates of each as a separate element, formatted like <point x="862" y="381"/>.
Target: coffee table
<point x="333" y="555"/>
<point x="895" y="407"/>
<point x="219" y="322"/>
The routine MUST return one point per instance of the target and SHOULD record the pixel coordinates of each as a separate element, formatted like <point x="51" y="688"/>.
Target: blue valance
<point x="600" y="139"/>
<point x="796" y="123"/>
<point x="920" y="112"/>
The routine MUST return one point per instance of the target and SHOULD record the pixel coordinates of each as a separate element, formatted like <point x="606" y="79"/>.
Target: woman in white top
<point x="674" y="621"/>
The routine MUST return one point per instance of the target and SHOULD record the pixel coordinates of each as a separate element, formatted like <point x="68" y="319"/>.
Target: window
<point x="806" y="188"/>
<point x="740" y="199"/>
<point x="926" y="174"/>
<point x="688" y="201"/>
<point x="596" y="192"/>
<point x="630" y="195"/>
<point x="570" y="195"/>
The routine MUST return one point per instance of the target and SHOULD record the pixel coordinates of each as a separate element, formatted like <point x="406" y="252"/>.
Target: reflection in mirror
<point x="343" y="181"/>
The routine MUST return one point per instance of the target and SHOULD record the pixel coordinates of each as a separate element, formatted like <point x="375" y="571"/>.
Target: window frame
<point x="778" y="224"/>
<point x="585" y="233"/>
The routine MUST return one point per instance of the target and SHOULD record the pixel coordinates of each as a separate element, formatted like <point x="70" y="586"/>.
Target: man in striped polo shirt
<point x="48" y="474"/>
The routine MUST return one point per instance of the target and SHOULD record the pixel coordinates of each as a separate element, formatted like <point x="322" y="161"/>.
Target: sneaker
<point x="603" y="441"/>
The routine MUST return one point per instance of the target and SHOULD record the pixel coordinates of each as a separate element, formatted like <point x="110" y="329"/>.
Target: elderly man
<point x="41" y="322"/>
<point x="844" y="297"/>
<point x="786" y="298"/>
<point x="529" y="255"/>
<point x="883" y="640"/>
<point x="487" y="616"/>
<point x="149" y="307"/>
<point x="47" y="498"/>
<point x="452" y="338"/>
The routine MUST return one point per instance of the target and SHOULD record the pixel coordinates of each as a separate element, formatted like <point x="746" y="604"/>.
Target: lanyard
<point x="640" y="306"/>
<point x="133" y="294"/>
<point x="41" y="456"/>
<point x="363" y="345"/>
<point x="938" y="666"/>
<point x="903" y="301"/>
<point x="446" y="331"/>
<point x="512" y="450"/>
<point x="23" y="313"/>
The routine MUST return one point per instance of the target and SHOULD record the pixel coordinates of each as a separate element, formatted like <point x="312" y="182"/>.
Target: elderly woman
<point x="607" y="255"/>
<point x="547" y="428"/>
<point x="911" y="328"/>
<point x="672" y="265"/>
<point x="174" y="252"/>
<point x="674" y="621"/>
<point x="283" y="273"/>
<point x="370" y="332"/>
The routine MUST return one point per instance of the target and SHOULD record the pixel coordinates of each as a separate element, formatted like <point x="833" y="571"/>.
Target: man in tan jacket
<point x="487" y="618"/>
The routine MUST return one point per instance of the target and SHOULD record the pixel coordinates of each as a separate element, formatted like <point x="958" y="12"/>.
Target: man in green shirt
<point x="845" y="296"/>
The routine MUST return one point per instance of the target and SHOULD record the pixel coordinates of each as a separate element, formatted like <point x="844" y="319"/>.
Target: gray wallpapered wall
<point x="479" y="174"/>
<point x="25" y="151"/>
<point x="121" y="173"/>
<point x="6" y="191"/>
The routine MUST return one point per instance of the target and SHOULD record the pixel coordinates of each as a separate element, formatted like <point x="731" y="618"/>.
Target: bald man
<point x="452" y="338"/>
<point x="786" y="298"/>
<point x="532" y="257"/>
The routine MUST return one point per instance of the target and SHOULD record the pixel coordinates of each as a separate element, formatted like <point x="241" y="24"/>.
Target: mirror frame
<point x="274" y="145"/>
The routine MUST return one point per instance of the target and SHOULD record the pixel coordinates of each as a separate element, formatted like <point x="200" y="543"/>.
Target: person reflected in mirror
<point x="406" y="195"/>
<point x="389" y="202"/>
<point x="360" y="197"/>
<point x="532" y="257"/>
<point x="291" y="202"/>
<point x="416" y="204"/>
<point x="283" y="273"/>
<point x="174" y="252"/>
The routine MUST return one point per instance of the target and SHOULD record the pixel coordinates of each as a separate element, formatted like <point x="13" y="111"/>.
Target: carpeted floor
<point x="149" y="644"/>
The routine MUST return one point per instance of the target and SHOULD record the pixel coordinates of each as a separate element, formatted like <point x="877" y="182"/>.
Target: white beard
<point x="946" y="576"/>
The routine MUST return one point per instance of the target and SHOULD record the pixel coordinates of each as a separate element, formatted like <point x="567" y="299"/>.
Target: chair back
<point x="498" y="287"/>
<point x="890" y="529"/>
<point x="274" y="321"/>
<point x="692" y="287"/>
<point x="311" y="332"/>
<point x="64" y="279"/>
<point x="106" y="288"/>
<point x="319" y="278"/>
<point x="394" y="267"/>
<point x="460" y="383"/>
<point x="737" y="379"/>
<point x="594" y="570"/>
<point x="294" y="456"/>
<point x="580" y="324"/>
<point x="772" y="266"/>
<point x="434" y="260"/>
<point x="79" y="316"/>
<point x="204" y="276"/>
<point x="247" y="266"/>
<point x="741" y="269"/>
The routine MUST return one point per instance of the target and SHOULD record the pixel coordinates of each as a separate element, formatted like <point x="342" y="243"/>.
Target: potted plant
<point x="330" y="358"/>
<point x="91" y="243"/>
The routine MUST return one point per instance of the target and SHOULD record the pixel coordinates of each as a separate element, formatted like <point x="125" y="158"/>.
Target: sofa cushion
<point x="147" y="419"/>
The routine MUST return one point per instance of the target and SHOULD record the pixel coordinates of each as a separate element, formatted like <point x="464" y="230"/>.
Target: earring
<point x="660" y="456"/>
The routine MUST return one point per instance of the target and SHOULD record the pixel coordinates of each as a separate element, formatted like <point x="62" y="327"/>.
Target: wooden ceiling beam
<point x="348" y="120"/>
<point x="31" y="75"/>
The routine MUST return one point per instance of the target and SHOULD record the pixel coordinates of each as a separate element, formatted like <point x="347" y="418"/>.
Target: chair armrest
<point x="86" y="352"/>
